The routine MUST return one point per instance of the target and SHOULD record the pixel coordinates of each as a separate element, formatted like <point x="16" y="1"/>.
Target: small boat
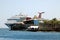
<point x="33" y="28"/>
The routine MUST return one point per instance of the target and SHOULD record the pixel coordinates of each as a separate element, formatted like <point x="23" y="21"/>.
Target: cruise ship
<point x="23" y="22"/>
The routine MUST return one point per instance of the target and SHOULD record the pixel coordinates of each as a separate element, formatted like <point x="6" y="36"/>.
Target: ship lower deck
<point x="18" y="26"/>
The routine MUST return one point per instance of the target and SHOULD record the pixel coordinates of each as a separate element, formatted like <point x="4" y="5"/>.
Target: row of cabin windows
<point x="18" y="20"/>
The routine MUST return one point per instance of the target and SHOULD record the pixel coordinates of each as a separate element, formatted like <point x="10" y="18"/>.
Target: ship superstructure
<point x="16" y="19"/>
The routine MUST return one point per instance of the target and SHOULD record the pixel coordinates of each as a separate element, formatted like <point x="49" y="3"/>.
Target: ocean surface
<point x="6" y="34"/>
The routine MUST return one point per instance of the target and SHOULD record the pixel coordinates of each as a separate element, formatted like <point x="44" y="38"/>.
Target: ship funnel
<point x="40" y="14"/>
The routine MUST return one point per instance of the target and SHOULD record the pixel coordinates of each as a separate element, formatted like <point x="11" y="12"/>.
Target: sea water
<point x="6" y="34"/>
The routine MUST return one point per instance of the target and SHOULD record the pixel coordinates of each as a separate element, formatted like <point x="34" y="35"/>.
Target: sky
<point x="9" y="8"/>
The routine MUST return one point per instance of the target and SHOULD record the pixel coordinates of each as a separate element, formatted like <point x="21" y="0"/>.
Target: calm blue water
<point x="5" y="34"/>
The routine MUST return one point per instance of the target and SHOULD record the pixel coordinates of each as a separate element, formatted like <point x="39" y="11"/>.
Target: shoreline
<point x="29" y="31"/>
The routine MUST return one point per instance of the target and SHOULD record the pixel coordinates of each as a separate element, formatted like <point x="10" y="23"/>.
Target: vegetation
<point x="53" y="24"/>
